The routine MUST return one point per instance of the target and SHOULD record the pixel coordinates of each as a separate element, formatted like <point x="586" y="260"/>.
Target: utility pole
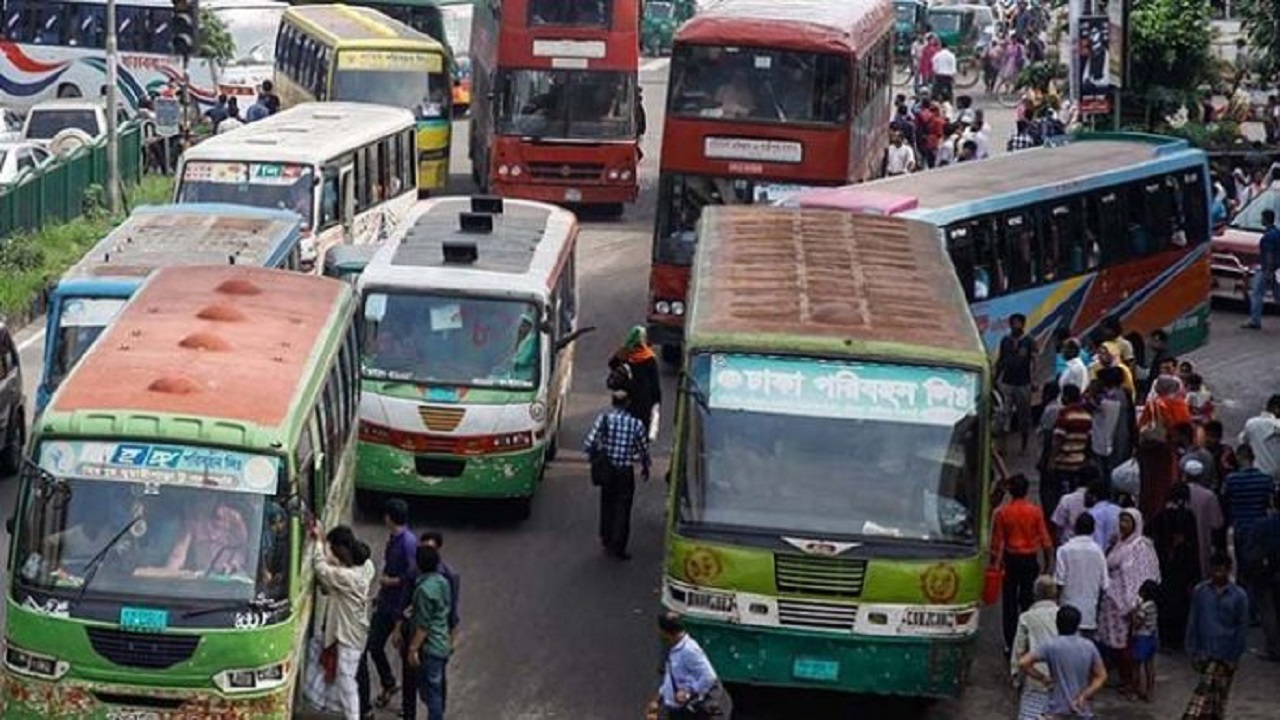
<point x="113" y="142"/>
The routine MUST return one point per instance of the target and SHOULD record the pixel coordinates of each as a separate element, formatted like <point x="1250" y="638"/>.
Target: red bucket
<point x="991" y="585"/>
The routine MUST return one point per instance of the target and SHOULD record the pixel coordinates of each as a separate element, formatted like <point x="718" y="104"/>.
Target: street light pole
<point x="113" y="143"/>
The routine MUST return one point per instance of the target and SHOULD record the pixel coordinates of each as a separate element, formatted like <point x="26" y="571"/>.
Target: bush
<point x="30" y="261"/>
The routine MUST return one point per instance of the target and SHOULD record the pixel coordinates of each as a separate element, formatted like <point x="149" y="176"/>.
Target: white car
<point x="18" y="157"/>
<point x="67" y="123"/>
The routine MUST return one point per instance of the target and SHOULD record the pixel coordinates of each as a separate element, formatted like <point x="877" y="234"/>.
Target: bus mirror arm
<point x="568" y="340"/>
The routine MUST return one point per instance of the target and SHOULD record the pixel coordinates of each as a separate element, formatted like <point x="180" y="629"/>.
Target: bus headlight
<point x="34" y="665"/>
<point x="614" y="174"/>
<point x="677" y="308"/>
<point x="662" y="307"/>
<point x="626" y="174"/>
<point x="504" y="170"/>
<point x="269" y="677"/>
<point x="538" y="411"/>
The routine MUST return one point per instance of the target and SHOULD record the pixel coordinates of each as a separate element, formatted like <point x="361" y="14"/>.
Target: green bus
<point x="828" y="489"/>
<point x="157" y="568"/>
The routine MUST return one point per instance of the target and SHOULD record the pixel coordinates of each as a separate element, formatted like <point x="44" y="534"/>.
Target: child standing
<point x="1145" y="643"/>
<point x="1199" y="400"/>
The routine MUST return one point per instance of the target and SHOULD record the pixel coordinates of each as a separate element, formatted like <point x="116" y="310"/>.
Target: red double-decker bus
<point x="554" y="110"/>
<point x="765" y="98"/>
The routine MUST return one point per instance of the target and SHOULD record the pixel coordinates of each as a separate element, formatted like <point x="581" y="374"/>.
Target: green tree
<point x="1169" y="54"/>
<point x="216" y="42"/>
<point x="1260" y="20"/>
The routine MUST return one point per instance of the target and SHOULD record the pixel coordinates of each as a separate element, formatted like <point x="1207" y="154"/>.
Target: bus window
<point x="1066" y="253"/>
<point x="594" y="13"/>
<point x="1195" y="210"/>
<point x="973" y="248"/>
<point x="1161" y="217"/>
<point x="960" y="247"/>
<point x="88" y="23"/>
<point x="330" y="207"/>
<point x="1107" y="222"/>
<point x="1019" y="251"/>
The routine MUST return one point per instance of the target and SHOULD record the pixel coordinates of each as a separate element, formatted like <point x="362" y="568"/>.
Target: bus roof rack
<point x="477" y="223"/>
<point x="458" y="252"/>
<point x="490" y="204"/>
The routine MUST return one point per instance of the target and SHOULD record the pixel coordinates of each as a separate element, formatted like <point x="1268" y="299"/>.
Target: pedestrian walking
<point x="614" y="444"/>
<point x="634" y="370"/>
<point x="1157" y="457"/>
<point x="899" y="157"/>
<point x="1262" y="435"/>
<point x="344" y="577"/>
<point x="395" y="588"/>
<point x="1014" y="369"/>
<point x="1072" y="505"/>
<point x="430" y="644"/>
<point x="1262" y="560"/>
<point x="1265" y="278"/>
<point x="1246" y="497"/>
<point x="1036" y="626"/>
<point x="1076" y="671"/>
<point x="1109" y="436"/>
<point x="1144" y="640"/>
<point x="403" y="634"/>
<point x="1106" y="514"/>
<point x="1174" y="533"/>
<point x="1224" y="458"/>
<point x="944" y="72"/>
<point x="1081" y="574"/>
<point x="1216" y="636"/>
<point x="1204" y="504"/>
<point x="1130" y="563"/>
<point x="1050" y="488"/>
<point x="1071" y="435"/>
<point x="1021" y="546"/>
<point x="689" y="683"/>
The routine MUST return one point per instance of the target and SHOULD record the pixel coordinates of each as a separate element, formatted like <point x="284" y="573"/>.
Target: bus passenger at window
<point x="215" y="541"/>
<point x="735" y="99"/>
<point x="275" y="546"/>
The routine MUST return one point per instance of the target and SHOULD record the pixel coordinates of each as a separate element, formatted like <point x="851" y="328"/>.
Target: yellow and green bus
<point x="357" y="54"/>
<point x="158" y="565"/>
<point x="828" y="490"/>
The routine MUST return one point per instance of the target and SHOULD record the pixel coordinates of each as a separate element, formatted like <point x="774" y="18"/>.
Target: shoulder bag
<point x="601" y="467"/>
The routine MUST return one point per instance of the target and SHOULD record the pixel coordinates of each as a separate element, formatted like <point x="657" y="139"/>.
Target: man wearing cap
<point x="1205" y="506"/>
<point x="618" y="437"/>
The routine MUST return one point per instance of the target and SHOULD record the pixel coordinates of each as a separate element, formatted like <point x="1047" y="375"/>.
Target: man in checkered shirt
<point x="622" y="439"/>
<point x="1021" y="139"/>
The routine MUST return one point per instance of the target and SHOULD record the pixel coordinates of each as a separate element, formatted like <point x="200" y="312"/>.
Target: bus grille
<point x="141" y="650"/>
<point x="816" y="615"/>
<point x="565" y="172"/>
<point x="441" y="419"/>
<point x="830" y="577"/>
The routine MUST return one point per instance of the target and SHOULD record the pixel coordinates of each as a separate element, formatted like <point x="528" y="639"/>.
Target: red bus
<point x="554" y="110"/>
<point x="765" y="98"/>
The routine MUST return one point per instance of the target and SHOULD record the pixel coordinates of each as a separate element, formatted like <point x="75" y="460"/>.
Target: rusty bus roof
<point x="833" y="26"/>
<point x="838" y="277"/>
<point x="225" y="342"/>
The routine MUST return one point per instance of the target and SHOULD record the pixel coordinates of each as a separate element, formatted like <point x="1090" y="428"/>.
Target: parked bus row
<point x="452" y="383"/>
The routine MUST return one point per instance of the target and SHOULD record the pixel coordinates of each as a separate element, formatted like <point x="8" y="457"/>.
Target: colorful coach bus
<point x="556" y="109"/>
<point x="765" y="98"/>
<point x="94" y="290"/>
<point x="812" y="332"/>
<point x="1102" y="225"/>
<point x="470" y="314"/>
<point x="355" y="54"/>
<point x="221" y="404"/>
<point x="349" y="169"/>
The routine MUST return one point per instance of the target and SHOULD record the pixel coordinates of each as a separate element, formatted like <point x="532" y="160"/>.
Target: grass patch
<point x="30" y="261"/>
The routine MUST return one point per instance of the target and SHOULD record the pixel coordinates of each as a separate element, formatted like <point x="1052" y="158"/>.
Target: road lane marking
<point x="655" y="65"/>
<point x="22" y="346"/>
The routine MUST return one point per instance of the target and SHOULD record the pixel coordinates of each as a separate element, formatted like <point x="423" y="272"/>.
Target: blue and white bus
<point x="91" y="294"/>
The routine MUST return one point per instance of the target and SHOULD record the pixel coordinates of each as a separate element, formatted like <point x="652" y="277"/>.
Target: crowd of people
<point x="1151" y="529"/>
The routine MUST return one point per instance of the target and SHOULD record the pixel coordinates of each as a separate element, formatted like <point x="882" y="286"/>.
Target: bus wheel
<point x="68" y="90"/>
<point x="671" y="353"/>
<point x="522" y="508"/>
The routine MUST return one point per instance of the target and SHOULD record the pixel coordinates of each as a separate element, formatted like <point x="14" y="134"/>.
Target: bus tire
<point x="11" y="453"/>
<point x="69" y="90"/>
<point x="522" y="508"/>
<point x="671" y="353"/>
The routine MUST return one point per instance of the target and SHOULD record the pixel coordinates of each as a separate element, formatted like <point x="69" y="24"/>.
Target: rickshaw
<point x="659" y="23"/>
<point x="910" y="18"/>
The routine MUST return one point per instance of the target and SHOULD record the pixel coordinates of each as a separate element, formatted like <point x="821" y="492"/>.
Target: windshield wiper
<point x="91" y="570"/>
<point x="260" y="604"/>
<point x="690" y="386"/>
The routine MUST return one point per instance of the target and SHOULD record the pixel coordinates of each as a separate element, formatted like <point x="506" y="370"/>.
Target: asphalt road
<point x="553" y="629"/>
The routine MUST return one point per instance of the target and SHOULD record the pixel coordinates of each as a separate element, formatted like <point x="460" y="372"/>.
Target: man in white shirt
<point x="944" y="72"/>
<point x="1262" y="434"/>
<point x="1076" y="372"/>
<point x="1080" y="570"/>
<point x="900" y="159"/>
<point x="1070" y="507"/>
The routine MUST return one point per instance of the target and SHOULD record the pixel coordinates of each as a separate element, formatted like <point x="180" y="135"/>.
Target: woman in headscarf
<point x="1131" y="562"/>
<point x="1109" y="356"/>
<point x="634" y="368"/>
<point x="1157" y="454"/>
<point x="1174" y="533"/>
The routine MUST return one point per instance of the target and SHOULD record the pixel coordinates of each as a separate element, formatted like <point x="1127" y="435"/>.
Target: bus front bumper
<point x="575" y="194"/>
<point x="384" y="469"/>
<point x="778" y="657"/>
<point x="75" y="699"/>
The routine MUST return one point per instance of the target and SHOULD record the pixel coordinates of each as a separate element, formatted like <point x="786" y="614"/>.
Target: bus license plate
<point x="815" y="669"/>
<point x="573" y="195"/>
<point x="143" y="620"/>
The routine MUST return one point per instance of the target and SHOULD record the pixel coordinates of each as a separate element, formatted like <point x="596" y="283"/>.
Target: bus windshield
<point x="584" y="13"/>
<point x="253" y="31"/>
<point x="265" y="185"/>
<point x="682" y="197"/>
<point x="759" y="85"/>
<point x="769" y="450"/>
<point x="568" y="104"/>
<point x="451" y="340"/>
<point x="189" y="524"/>
<point x="80" y="322"/>
<point x="423" y="92"/>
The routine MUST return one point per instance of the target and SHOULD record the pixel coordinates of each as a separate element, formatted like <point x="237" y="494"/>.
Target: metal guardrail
<point x="55" y="192"/>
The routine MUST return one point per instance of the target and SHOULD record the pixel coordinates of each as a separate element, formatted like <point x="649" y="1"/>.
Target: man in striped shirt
<point x="618" y="436"/>
<point x="1071" y="436"/>
<point x="1246" y="495"/>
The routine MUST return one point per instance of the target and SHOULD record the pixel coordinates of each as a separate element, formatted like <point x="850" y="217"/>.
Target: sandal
<point x="385" y="697"/>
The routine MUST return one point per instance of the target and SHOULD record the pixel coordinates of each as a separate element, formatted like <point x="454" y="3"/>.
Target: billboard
<point x="1093" y="46"/>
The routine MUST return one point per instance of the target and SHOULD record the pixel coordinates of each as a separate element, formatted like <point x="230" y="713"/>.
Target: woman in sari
<point x="1174" y="533"/>
<point x="634" y="368"/>
<point x="1131" y="562"/>
<point x="1157" y="456"/>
